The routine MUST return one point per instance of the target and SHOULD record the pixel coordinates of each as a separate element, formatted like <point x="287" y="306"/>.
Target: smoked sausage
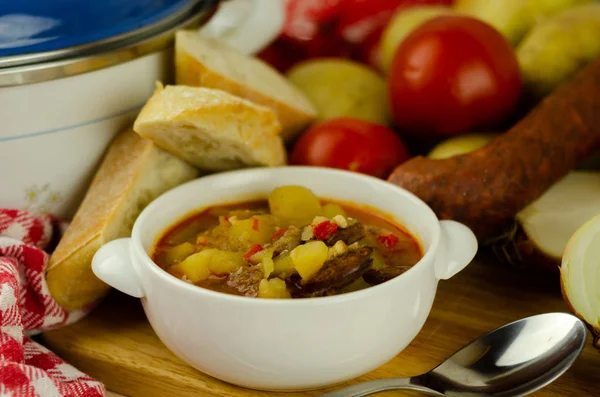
<point x="486" y="188"/>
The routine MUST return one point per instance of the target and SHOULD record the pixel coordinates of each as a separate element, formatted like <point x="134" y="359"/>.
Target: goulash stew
<point x="292" y="245"/>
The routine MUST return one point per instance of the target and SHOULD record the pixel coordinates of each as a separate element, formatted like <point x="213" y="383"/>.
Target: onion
<point x="580" y="275"/>
<point x="544" y="227"/>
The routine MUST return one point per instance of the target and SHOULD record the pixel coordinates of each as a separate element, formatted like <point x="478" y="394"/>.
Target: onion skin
<point x="573" y="271"/>
<point x="593" y="330"/>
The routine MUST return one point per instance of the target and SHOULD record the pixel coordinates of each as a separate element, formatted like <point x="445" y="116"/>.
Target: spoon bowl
<point x="513" y="360"/>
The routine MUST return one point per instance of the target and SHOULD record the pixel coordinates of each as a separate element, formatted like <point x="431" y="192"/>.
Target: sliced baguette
<point x="133" y="173"/>
<point x="207" y="62"/>
<point x="211" y="129"/>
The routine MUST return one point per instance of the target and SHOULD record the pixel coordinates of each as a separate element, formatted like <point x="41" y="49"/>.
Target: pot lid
<point x="38" y="30"/>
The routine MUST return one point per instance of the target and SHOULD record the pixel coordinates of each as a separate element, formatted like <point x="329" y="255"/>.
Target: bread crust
<point x="294" y="114"/>
<point x="133" y="172"/>
<point x="211" y="129"/>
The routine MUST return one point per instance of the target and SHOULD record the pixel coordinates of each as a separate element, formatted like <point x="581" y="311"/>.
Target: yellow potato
<point x="460" y="145"/>
<point x="195" y="267"/>
<point x="179" y="252"/>
<point x="514" y="18"/>
<point x="223" y="262"/>
<point x="274" y="288"/>
<point x="283" y="265"/>
<point x="248" y="232"/>
<point x="294" y="205"/>
<point x="331" y="210"/>
<point x="342" y="88"/>
<point x="401" y="25"/>
<point x="556" y="48"/>
<point x="309" y="258"/>
<point x="267" y="263"/>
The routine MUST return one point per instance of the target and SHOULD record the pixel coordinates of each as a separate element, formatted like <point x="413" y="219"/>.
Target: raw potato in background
<point x="514" y="18"/>
<point x="342" y="88"/>
<point x="462" y="144"/>
<point x="556" y="48"/>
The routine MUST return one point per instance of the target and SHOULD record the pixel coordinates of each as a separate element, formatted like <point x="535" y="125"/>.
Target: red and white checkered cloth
<point x="27" y="369"/>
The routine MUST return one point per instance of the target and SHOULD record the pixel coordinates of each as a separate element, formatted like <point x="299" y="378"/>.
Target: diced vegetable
<point x="224" y="262"/>
<point x="248" y="232"/>
<point x="324" y="230"/>
<point x="378" y="260"/>
<point x="274" y="288"/>
<point x="268" y="265"/>
<point x="331" y="210"/>
<point x="294" y="205"/>
<point x="199" y="266"/>
<point x="253" y="251"/>
<point x="195" y="267"/>
<point x="283" y="265"/>
<point x="178" y="253"/>
<point x="388" y="240"/>
<point x="265" y="257"/>
<point x="309" y="258"/>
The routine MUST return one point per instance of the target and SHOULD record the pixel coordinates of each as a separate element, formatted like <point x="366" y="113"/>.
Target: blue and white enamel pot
<point x="75" y="73"/>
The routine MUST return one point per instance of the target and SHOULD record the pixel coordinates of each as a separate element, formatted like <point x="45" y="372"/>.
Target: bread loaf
<point x="211" y="129"/>
<point x="134" y="172"/>
<point x="208" y="62"/>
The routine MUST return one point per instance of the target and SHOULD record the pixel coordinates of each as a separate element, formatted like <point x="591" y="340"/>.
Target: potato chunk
<point x="248" y="232"/>
<point x="331" y="210"/>
<point x="294" y="205"/>
<point x="309" y="258"/>
<point x="199" y="266"/>
<point x="224" y="262"/>
<point x="274" y="288"/>
<point x="178" y="253"/>
<point x="195" y="267"/>
<point x="283" y="265"/>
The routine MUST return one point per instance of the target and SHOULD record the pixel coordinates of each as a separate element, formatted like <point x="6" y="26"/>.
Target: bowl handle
<point x="458" y="246"/>
<point x="112" y="264"/>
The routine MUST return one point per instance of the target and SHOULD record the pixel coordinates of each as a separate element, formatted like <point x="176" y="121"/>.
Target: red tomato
<point x="451" y="75"/>
<point x="304" y="18"/>
<point x="350" y="144"/>
<point x="308" y="32"/>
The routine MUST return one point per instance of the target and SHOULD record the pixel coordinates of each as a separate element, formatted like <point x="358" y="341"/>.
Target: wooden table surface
<point x="116" y="345"/>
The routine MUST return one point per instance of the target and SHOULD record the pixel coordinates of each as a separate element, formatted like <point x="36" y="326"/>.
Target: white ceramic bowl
<point x="286" y="344"/>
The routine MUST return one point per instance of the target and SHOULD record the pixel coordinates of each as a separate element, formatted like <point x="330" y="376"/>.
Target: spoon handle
<point x="380" y="385"/>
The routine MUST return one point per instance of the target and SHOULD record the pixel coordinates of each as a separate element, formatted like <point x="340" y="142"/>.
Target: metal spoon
<point x="514" y="360"/>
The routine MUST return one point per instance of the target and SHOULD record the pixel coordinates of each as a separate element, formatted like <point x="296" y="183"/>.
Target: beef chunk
<point x="348" y="235"/>
<point x="289" y="240"/>
<point x="335" y="274"/>
<point x="378" y="276"/>
<point x="246" y="279"/>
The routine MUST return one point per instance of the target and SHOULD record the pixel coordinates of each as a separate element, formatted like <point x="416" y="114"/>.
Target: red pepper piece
<point x="253" y="250"/>
<point x="255" y="224"/>
<point x="389" y="240"/>
<point x="324" y="230"/>
<point x="278" y="234"/>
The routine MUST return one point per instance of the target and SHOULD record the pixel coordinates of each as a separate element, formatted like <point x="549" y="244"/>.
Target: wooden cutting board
<point x="116" y="345"/>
